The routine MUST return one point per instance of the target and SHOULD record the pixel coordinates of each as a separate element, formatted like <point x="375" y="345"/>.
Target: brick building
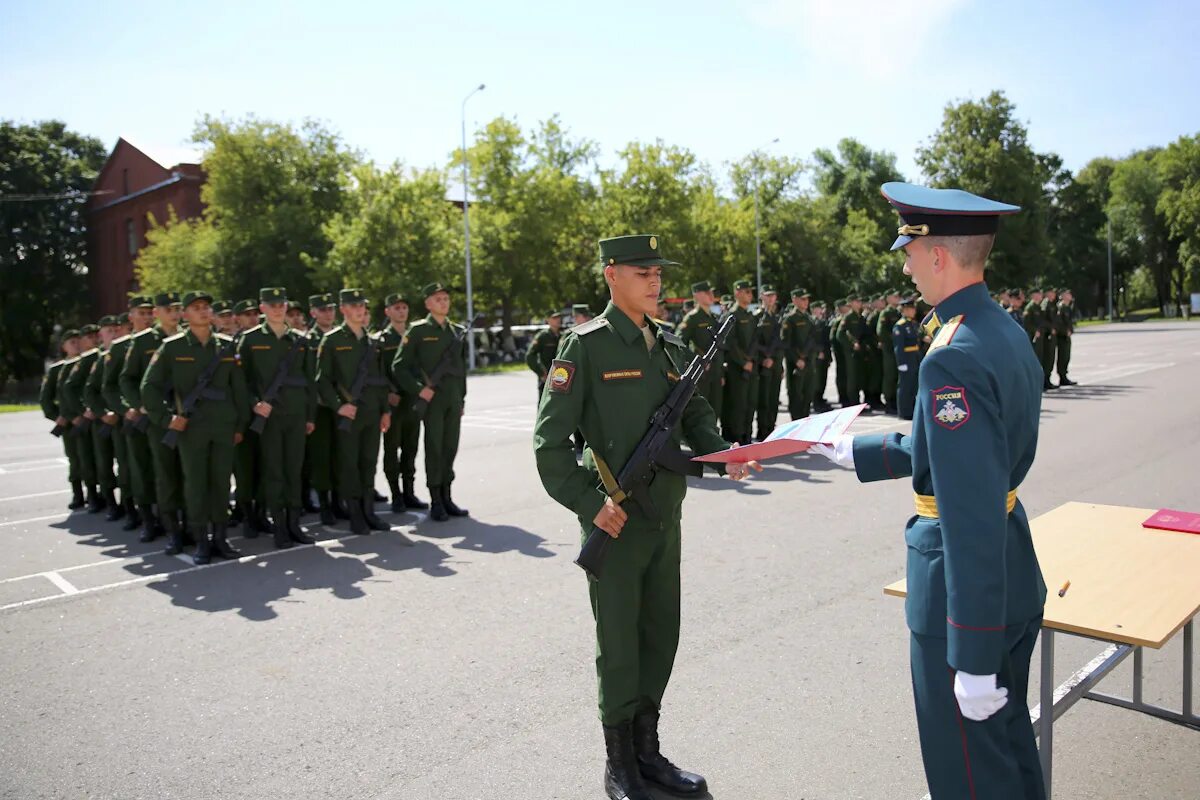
<point x="131" y="189"/>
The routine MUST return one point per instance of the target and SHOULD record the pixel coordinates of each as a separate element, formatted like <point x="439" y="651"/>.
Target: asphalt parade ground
<point x="454" y="660"/>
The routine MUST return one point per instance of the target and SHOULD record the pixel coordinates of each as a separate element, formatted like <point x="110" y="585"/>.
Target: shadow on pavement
<point x="396" y="554"/>
<point x="1096" y="391"/>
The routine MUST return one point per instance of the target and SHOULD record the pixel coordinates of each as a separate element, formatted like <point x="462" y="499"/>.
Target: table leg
<point x="1046" y="721"/>
<point x="1137" y="676"/>
<point x="1188" y="668"/>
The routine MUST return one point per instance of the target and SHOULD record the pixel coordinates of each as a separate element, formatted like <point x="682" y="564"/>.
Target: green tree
<point x="981" y="147"/>
<point x="1078" y="231"/>
<point x="1141" y="232"/>
<point x="1179" y="204"/>
<point x="46" y="171"/>
<point x="180" y="256"/>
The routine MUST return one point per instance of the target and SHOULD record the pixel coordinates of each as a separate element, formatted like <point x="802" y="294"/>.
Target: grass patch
<point x="8" y="408"/>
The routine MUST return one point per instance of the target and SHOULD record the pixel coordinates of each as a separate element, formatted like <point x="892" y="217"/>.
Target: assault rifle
<point x="278" y="380"/>
<point x="200" y="392"/>
<point x="445" y="366"/>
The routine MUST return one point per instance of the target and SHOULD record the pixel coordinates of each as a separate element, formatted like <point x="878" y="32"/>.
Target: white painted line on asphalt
<point x="31" y="519"/>
<point x="1113" y="373"/>
<point x="31" y="496"/>
<point x="50" y="462"/>
<point x="62" y="583"/>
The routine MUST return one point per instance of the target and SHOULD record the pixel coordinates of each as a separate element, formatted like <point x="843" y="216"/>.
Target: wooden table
<point x="1131" y="587"/>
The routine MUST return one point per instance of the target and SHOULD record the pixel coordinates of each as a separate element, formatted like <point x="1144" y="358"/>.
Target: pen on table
<point x="1063" y="591"/>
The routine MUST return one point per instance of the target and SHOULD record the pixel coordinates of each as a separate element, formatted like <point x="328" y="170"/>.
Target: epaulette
<point x="174" y="338"/>
<point x="90" y="352"/>
<point x="221" y="337"/>
<point x="127" y="337"/>
<point x="68" y="361"/>
<point x="593" y="324"/>
<point x="946" y="333"/>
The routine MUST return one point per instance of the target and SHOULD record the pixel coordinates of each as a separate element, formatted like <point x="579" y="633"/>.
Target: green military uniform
<point x="273" y="361"/>
<point x="1063" y="332"/>
<point x="1049" y="338"/>
<point x="839" y="356"/>
<point x="48" y="399"/>
<point x="769" y="340"/>
<point x="104" y="437"/>
<point x="401" y="442"/>
<point x="697" y="331"/>
<point x="110" y="387"/>
<point x="320" y="453"/>
<point x="342" y="357"/>
<point x="975" y="591"/>
<point x="206" y="447"/>
<point x="157" y="473"/>
<point x="73" y="406"/>
<point x="884" y="325"/>
<point x="541" y="352"/>
<point x="247" y="470"/>
<point x="427" y="341"/>
<point x="824" y="353"/>
<point x="872" y="358"/>
<point x="800" y="343"/>
<point x="851" y="334"/>
<point x="610" y="377"/>
<point x="739" y="381"/>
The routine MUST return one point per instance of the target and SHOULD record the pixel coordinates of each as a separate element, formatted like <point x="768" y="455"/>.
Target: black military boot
<point x="150" y="529"/>
<point x="437" y="511"/>
<point x="327" y="515"/>
<point x="246" y="515"/>
<point x="77" y="500"/>
<point x="174" y="535"/>
<point x="358" y="523"/>
<point x="204" y="547"/>
<point x="622" y="778"/>
<point x="95" y="500"/>
<point x="654" y="766"/>
<point x="261" y="521"/>
<point x="1065" y="381"/>
<point x="397" y="498"/>
<point x="410" y="496"/>
<point x="115" y="510"/>
<point x="291" y="520"/>
<point x="133" y="519"/>
<point x="221" y="544"/>
<point x="452" y="509"/>
<point x="282" y="540"/>
<point x="373" y="522"/>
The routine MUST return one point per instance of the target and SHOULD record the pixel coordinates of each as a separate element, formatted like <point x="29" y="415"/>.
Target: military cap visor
<point x="245" y="307"/>
<point x="942" y="212"/>
<point x="739" y="285"/>
<point x="272" y="294"/>
<point x="395" y="297"/>
<point x="70" y="333"/>
<point x="108" y="320"/>
<point x="319" y="301"/>
<point x="702" y="286"/>
<point x="352" y="297"/>
<point x="799" y="292"/>
<point x="195" y="297"/>
<point x="433" y="288"/>
<point x="89" y="329"/>
<point x="641" y="250"/>
<point x="123" y="318"/>
<point x="767" y="289"/>
<point x="141" y="301"/>
<point x="166" y="299"/>
<point x="221" y="308"/>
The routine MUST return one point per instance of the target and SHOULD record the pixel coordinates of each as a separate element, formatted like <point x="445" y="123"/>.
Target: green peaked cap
<point x="641" y="250"/>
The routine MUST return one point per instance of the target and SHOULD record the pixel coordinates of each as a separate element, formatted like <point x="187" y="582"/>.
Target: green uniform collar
<point x="192" y="339"/>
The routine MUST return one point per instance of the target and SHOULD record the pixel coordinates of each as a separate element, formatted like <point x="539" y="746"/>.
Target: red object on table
<point x="1167" y="519"/>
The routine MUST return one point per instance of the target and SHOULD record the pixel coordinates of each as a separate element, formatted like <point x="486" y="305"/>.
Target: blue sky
<point x="1089" y="78"/>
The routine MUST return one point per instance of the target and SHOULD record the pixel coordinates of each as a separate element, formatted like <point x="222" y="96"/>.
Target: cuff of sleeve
<point x="974" y="650"/>
<point x="871" y="457"/>
<point x="589" y="506"/>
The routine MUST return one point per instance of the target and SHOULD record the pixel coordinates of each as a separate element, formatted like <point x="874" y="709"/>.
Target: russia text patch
<point x="950" y="407"/>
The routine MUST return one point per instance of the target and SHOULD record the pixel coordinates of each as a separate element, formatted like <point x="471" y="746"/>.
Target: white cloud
<point x="876" y="38"/>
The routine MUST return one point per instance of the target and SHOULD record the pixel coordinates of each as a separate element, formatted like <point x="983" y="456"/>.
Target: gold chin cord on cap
<point x="913" y="230"/>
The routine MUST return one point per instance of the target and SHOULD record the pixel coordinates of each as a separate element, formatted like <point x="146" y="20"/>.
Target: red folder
<point x="792" y="437"/>
<point x="1167" y="519"/>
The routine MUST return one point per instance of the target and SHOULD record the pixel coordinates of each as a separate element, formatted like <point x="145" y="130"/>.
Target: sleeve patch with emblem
<point x="562" y="375"/>
<point x="950" y="407"/>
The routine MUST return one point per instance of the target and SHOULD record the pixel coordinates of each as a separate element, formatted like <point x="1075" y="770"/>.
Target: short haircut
<point x="968" y="251"/>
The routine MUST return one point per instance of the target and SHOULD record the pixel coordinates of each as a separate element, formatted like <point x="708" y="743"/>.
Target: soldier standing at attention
<point x="138" y="318"/>
<point x="319" y="452"/>
<point x="1049" y="328"/>
<point x="609" y="378"/>
<point x="158" y="474"/>
<point x="1031" y="320"/>
<point x="269" y="353"/>
<point x="401" y="441"/>
<point x="697" y="330"/>
<point x="906" y="351"/>
<point x="841" y="308"/>
<point x="975" y="591"/>
<point x="800" y="343"/>
<point x="1066" y="327"/>
<point x="71" y="401"/>
<point x="739" y="368"/>
<point x="346" y="354"/>
<point x="246" y="314"/>
<point x="48" y="399"/>
<point x="1016" y="299"/>
<point x="427" y="341"/>
<point x="223" y="319"/>
<point x="887" y="320"/>
<point x="206" y="436"/>
<point x="850" y="334"/>
<point x="770" y="374"/>
<point x="104" y="422"/>
<point x="297" y="320"/>
<point x="249" y="511"/>
<point x="823" y="348"/>
<point x="871" y="355"/>
<point x="543" y="348"/>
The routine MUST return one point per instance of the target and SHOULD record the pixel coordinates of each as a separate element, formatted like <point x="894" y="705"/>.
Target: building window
<point x="132" y="235"/>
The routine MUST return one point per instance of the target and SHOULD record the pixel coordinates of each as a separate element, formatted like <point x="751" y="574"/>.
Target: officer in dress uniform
<point x="544" y="347"/>
<point x="975" y="591"/>
<point x="906" y="352"/>
<point x="610" y="376"/>
<point x="48" y="399"/>
<point x="207" y="436"/>
<point x="403" y="438"/>
<point x="697" y="331"/>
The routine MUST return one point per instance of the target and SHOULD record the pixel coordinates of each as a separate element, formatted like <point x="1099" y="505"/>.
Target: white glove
<point x="903" y="367"/>
<point x="978" y="696"/>
<point x="841" y="452"/>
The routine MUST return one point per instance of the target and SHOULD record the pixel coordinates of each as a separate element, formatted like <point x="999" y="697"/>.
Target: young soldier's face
<point x="909" y="312"/>
<point x="635" y="288"/>
<point x="398" y="312"/>
<point x="555" y="323"/>
<point x="168" y="315"/>
<point x="247" y="320"/>
<point x="355" y="313"/>
<point x="769" y="300"/>
<point x="140" y="318"/>
<point x="323" y="316"/>
<point x="743" y="296"/>
<point x="107" y="334"/>
<point x="276" y="313"/>
<point x="71" y="347"/>
<point x="295" y="318"/>
<point x="198" y="314"/>
<point x="438" y="303"/>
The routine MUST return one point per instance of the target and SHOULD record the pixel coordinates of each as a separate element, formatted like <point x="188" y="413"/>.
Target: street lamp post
<point x="757" y="239"/>
<point x="467" y="229"/>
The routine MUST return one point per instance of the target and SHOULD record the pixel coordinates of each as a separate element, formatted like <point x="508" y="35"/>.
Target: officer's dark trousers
<point x="734" y="410"/>
<point x="120" y="442"/>
<point x="1064" y="355"/>
<point x="246" y="469"/>
<point x="281" y="460"/>
<point x="890" y="375"/>
<point x="443" y="423"/>
<point x="636" y="607"/>
<point x="769" y="381"/>
<point x="401" y="441"/>
<point x="822" y="378"/>
<point x="319" y="454"/>
<point x="85" y="450"/>
<point x="856" y="373"/>
<point x="996" y="759"/>
<point x="102" y="449"/>
<point x="72" y="454"/>
<point x="1047" y="355"/>
<point x="206" y="455"/>
<point x="906" y="394"/>
<point x="142" y="465"/>
<point x="842" y="370"/>
<point x="356" y="452"/>
<point x="168" y="472"/>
